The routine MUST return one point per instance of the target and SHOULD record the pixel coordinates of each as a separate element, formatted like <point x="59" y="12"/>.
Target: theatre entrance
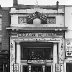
<point x="37" y="54"/>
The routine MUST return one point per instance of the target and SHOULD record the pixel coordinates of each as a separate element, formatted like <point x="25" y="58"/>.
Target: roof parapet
<point x="57" y="4"/>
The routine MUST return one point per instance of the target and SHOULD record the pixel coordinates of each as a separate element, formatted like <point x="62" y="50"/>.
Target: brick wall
<point x="5" y="23"/>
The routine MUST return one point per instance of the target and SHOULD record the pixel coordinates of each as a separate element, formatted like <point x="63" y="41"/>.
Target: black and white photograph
<point x="35" y="35"/>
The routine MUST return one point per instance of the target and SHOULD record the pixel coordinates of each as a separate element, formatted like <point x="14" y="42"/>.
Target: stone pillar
<point x="18" y="55"/>
<point x="43" y="68"/>
<point x="54" y="55"/>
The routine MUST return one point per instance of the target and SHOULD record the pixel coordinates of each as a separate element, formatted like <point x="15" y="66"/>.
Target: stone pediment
<point x="37" y="18"/>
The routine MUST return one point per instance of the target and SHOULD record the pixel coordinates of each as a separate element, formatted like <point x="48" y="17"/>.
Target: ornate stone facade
<point x="27" y="38"/>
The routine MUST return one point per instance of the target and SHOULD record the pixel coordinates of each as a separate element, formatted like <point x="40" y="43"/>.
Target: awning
<point x="38" y="28"/>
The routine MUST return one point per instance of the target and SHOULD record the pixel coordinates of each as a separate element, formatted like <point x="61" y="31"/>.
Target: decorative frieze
<point x="12" y="54"/>
<point x="61" y="51"/>
<point x="69" y="48"/>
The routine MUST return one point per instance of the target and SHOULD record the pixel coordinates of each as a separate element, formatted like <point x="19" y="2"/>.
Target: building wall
<point x="5" y="22"/>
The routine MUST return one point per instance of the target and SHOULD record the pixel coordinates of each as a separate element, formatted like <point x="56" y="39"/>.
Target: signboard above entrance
<point x="39" y="35"/>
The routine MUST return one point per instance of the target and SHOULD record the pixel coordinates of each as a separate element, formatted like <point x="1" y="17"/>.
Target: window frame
<point x="24" y="17"/>
<point x="51" y="19"/>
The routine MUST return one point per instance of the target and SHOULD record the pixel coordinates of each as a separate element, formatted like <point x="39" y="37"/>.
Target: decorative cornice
<point x="38" y="28"/>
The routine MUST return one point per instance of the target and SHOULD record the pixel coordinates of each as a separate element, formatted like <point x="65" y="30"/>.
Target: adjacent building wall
<point x="68" y="21"/>
<point x="5" y="22"/>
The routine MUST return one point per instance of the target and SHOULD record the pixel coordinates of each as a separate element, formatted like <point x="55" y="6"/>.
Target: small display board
<point x="36" y="61"/>
<point x="16" y="67"/>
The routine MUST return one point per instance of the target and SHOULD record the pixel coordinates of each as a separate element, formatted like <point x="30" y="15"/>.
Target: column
<point x="54" y="55"/>
<point x="18" y="53"/>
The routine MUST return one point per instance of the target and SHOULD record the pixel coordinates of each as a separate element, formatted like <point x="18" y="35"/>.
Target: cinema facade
<point x="38" y="39"/>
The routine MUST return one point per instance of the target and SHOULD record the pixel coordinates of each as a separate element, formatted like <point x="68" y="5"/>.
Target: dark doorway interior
<point x="25" y="68"/>
<point x="48" y="69"/>
<point x="36" y="51"/>
<point x="68" y="67"/>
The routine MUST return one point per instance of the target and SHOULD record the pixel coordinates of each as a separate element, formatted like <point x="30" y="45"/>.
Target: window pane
<point x="51" y="20"/>
<point x="48" y="69"/>
<point x="0" y="23"/>
<point x="21" y="20"/>
<point x="25" y="69"/>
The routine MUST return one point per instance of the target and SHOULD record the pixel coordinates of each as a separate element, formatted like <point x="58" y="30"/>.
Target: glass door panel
<point x="36" y="69"/>
<point x="25" y="68"/>
<point x="48" y="69"/>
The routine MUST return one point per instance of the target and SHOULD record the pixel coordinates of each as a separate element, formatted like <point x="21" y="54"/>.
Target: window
<point x="0" y="23"/>
<point x="51" y="20"/>
<point x="22" y="20"/>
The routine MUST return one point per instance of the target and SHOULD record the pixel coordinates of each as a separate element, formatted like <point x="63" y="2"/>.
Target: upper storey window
<point x="51" y="20"/>
<point x="22" y="20"/>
